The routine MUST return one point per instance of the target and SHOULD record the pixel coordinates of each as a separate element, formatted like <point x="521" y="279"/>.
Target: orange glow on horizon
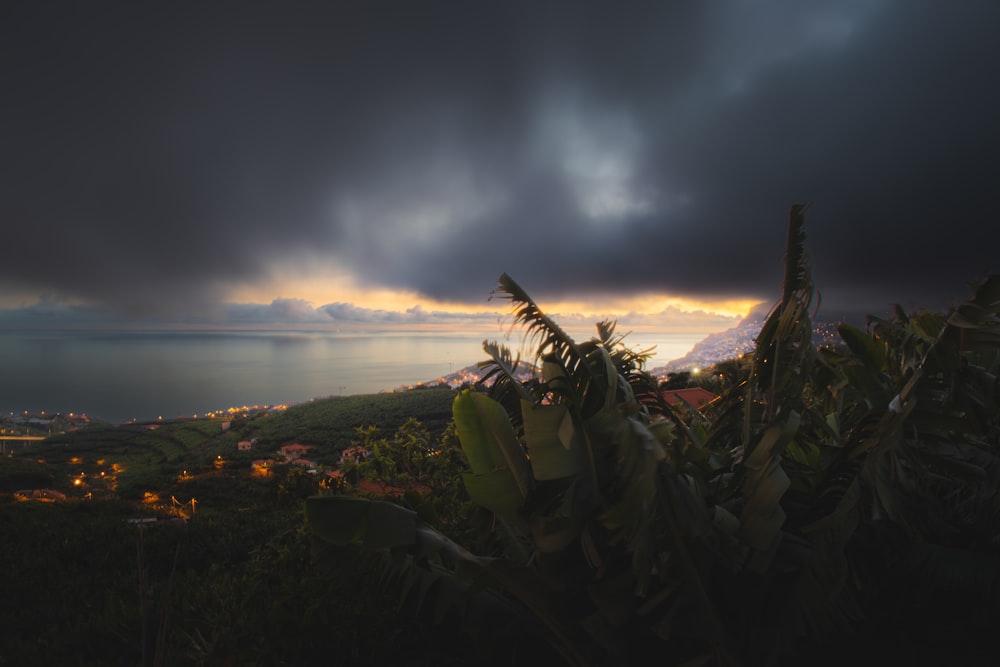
<point x="651" y="304"/>
<point x="326" y="289"/>
<point x="320" y="287"/>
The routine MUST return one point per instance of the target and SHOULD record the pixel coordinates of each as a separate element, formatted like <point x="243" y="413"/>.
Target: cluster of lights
<point x="227" y="412"/>
<point x="456" y="379"/>
<point x="235" y="411"/>
<point x="80" y="478"/>
<point x="42" y="413"/>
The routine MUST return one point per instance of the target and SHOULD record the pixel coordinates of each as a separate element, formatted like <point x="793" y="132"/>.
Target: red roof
<point x="695" y="396"/>
<point x="297" y="448"/>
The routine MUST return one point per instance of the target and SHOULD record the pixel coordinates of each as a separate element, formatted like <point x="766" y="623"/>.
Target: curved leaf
<point x="551" y="441"/>
<point x="501" y="474"/>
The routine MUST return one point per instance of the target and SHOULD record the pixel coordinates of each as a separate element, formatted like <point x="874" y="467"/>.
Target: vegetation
<point x="332" y="422"/>
<point x="235" y="583"/>
<point x="829" y="506"/>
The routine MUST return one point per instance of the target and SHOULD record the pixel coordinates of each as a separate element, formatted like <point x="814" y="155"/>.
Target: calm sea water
<point x="123" y="375"/>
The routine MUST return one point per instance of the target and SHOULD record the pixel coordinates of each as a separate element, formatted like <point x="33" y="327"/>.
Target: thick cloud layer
<point x="157" y="155"/>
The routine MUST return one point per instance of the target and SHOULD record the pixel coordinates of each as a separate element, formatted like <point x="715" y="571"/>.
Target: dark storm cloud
<point x="154" y="157"/>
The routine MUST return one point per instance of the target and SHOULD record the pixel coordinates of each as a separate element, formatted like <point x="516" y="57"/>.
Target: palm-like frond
<point x="778" y="377"/>
<point x="553" y="345"/>
<point x="629" y="366"/>
<point x="784" y="351"/>
<point x="626" y="359"/>
<point x="500" y="374"/>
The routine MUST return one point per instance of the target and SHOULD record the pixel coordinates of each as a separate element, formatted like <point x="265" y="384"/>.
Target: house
<point x="694" y="397"/>
<point x="244" y="445"/>
<point x="45" y="495"/>
<point x="304" y="463"/>
<point x="225" y="426"/>
<point x="294" y="451"/>
<point x="355" y="455"/>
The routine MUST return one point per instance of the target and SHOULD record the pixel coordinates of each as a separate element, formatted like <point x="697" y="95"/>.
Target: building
<point x="694" y="397"/>
<point x="44" y="495"/>
<point x="294" y="451"/>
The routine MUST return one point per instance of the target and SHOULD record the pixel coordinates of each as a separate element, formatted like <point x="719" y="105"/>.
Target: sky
<point x="381" y="163"/>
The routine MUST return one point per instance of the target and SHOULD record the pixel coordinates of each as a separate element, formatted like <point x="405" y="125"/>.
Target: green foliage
<point x="424" y="471"/>
<point x="831" y="506"/>
<point x="237" y="584"/>
<point x="797" y="511"/>
<point x="230" y="587"/>
<point x="332" y="422"/>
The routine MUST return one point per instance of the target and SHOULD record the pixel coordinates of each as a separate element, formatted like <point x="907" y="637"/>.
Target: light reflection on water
<point x="120" y="375"/>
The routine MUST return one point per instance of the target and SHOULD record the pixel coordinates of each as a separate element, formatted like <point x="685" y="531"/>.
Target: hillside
<point x="145" y="457"/>
<point x="220" y="570"/>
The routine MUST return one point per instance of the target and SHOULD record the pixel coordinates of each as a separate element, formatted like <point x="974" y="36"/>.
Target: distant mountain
<point x="719" y="346"/>
<point x="742" y="339"/>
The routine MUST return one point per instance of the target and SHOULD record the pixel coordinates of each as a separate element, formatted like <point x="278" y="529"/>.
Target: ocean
<point x="123" y="375"/>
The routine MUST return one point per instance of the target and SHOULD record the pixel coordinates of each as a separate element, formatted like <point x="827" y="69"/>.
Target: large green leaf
<point x="496" y="491"/>
<point x="550" y="436"/>
<point x="491" y="447"/>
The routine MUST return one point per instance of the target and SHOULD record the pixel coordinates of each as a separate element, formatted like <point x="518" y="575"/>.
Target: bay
<point x="122" y="375"/>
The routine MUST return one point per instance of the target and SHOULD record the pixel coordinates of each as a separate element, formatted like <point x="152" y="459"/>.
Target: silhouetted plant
<point x="755" y="528"/>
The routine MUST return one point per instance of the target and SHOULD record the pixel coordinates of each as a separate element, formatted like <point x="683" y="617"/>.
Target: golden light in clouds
<point x="652" y="304"/>
<point x="327" y="286"/>
<point x="330" y="286"/>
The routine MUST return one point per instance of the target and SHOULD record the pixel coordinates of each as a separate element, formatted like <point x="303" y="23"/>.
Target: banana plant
<point x="603" y="494"/>
<point x="627" y="527"/>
